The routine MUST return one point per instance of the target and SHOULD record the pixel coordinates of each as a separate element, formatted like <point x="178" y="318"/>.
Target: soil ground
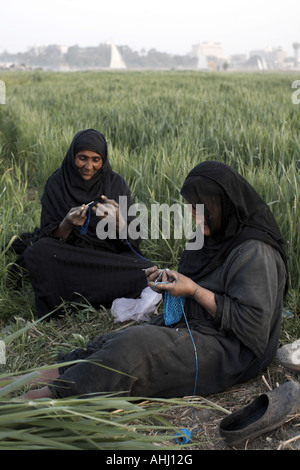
<point x="205" y="421"/>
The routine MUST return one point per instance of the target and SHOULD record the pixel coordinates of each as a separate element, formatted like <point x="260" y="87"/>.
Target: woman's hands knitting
<point x="179" y="285"/>
<point x="77" y="215"/>
<point x="175" y="283"/>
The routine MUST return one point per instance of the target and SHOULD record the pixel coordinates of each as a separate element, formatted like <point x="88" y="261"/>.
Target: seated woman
<point x="233" y="288"/>
<point x="72" y="264"/>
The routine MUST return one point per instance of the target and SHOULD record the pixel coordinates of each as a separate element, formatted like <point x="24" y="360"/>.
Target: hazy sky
<point x="166" y="25"/>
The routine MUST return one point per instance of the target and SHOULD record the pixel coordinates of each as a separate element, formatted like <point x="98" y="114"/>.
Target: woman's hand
<point x="176" y="284"/>
<point x="110" y="208"/>
<point x="179" y="285"/>
<point x="77" y="215"/>
<point x="155" y="274"/>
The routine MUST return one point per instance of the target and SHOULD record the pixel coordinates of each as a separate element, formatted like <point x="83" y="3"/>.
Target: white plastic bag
<point x="124" y="309"/>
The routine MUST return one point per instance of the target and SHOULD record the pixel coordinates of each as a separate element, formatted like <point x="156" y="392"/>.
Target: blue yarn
<point x="173" y="308"/>
<point x="186" y="431"/>
<point x="184" y="437"/>
<point x="85" y="226"/>
<point x="138" y="254"/>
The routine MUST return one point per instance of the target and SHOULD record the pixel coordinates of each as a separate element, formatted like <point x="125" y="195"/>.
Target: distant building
<point x="210" y="49"/>
<point x="296" y="47"/>
<point x="209" y="55"/>
<point x="63" y="49"/>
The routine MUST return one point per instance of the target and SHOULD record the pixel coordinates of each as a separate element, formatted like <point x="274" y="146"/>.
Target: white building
<point x="207" y="53"/>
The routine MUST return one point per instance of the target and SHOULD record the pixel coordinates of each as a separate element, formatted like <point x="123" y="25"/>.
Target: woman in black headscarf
<point x="70" y="261"/>
<point x="233" y="289"/>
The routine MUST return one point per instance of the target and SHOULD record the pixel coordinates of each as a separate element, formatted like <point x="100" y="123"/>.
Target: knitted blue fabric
<point x="173" y="308"/>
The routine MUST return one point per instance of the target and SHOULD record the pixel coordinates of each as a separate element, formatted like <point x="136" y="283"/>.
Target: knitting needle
<point x="85" y="204"/>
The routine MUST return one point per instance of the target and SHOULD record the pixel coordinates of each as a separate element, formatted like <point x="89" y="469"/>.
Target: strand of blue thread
<point x="185" y="431"/>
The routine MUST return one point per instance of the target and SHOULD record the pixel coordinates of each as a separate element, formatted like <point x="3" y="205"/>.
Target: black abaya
<point x="60" y="271"/>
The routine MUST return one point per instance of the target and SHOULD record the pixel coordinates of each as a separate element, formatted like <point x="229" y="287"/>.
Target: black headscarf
<point x="70" y="188"/>
<point x="66" y="188"/>
<point x="244" y="216"/>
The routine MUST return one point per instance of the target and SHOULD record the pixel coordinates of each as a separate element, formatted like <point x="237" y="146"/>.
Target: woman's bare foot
<point x="43" y="392"/>
<point x="43" y="377"/>
<point x="6" y="380"/>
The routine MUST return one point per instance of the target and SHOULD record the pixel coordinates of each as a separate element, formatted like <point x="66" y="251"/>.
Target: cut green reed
<point x="103" y="421"/>
<point x="96" y="423"/>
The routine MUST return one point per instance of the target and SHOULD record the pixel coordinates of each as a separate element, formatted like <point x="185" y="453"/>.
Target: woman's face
<point x="88" y="163"/>
<point x="213" y="208"/>
<point x="199" y="219"/>
<point x="214" y="214"/>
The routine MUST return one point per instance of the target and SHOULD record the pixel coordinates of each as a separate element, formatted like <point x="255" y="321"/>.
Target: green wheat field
<point x="158" y="126"/>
